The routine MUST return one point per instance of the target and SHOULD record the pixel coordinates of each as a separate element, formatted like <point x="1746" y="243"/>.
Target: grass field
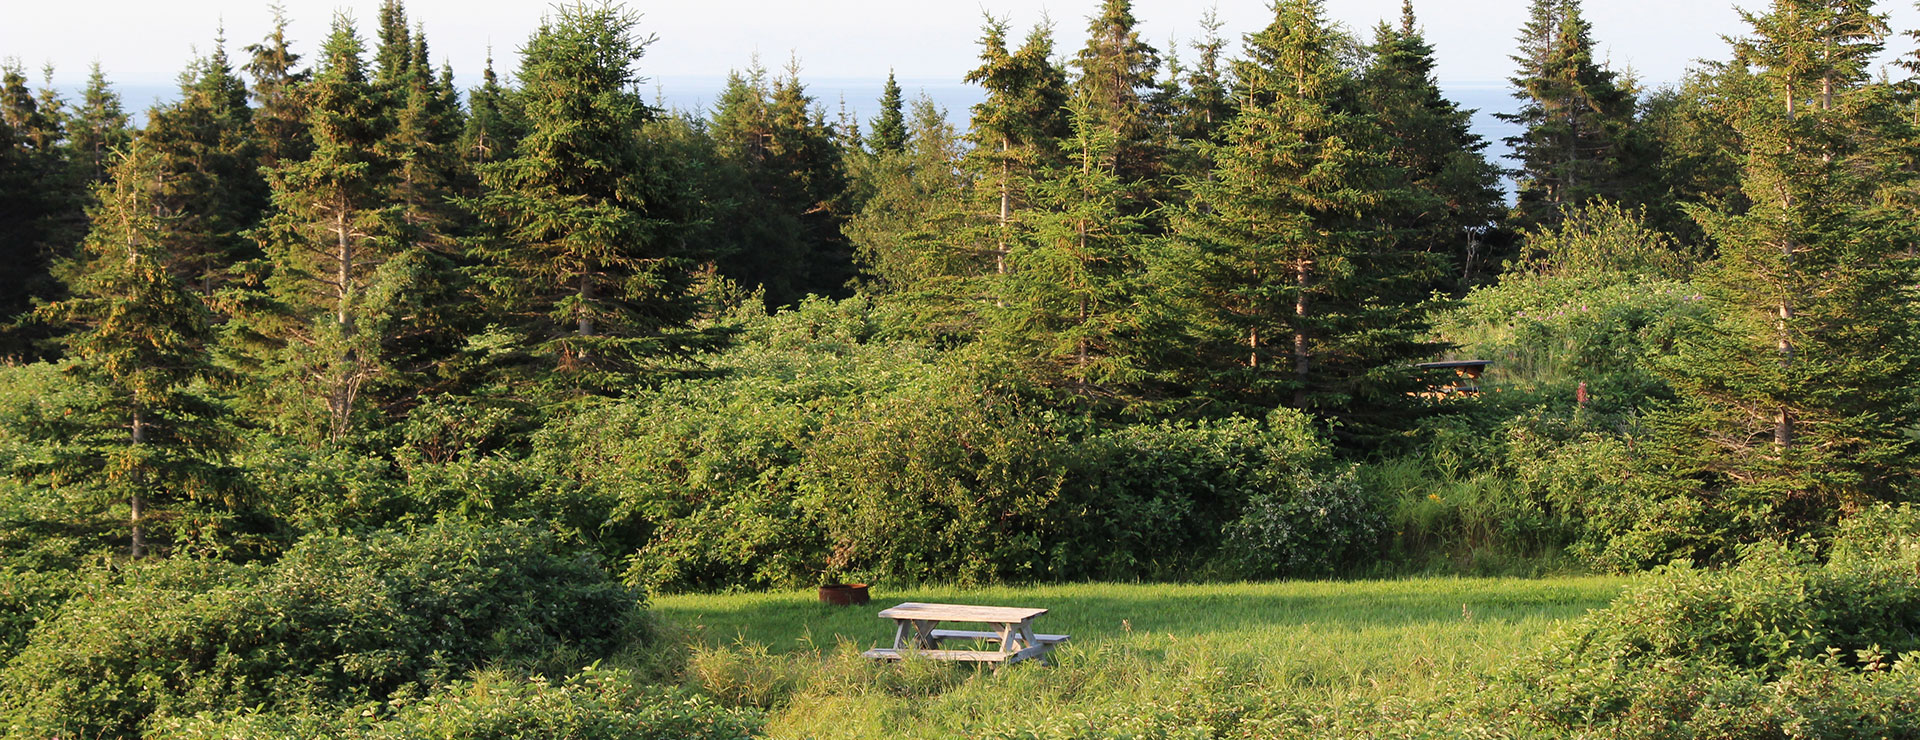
<point x="1201" y="652"/>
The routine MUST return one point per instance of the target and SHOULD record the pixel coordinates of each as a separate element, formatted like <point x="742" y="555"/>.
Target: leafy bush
<point x="1315" y="528"/>
<point x="593" y="705"/>
<point x="340" y="619"/>
<point x="1775" y="646"/>
<point x="1157" y="497"/>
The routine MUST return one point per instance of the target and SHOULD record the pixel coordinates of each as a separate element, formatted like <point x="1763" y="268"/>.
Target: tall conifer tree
<point x="1797" y="406"/>
<point x="142" y="340"/>
<point x="1017" y="129"/>
<point x="1288" y="258"/>
<point x="99" y="128"/>
<point x="589" y="250"/>
<point x="280" y="115"/>
<point x="1579" y="118"/>
<point x="210" y="186"/>
<point x="889" y="129"/>
<point x="333" y="238"/>
<point x="1116" y="79"/>
<point x="1432" y="140"/>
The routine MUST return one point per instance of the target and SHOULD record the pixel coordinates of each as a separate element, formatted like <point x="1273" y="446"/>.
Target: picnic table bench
<point x="916" y="632"/>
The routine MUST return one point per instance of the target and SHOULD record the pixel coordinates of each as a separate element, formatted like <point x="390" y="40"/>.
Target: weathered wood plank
<point x="961" y="613"/>
<point x="965" y="656"/>
<point x="990" y="636"/>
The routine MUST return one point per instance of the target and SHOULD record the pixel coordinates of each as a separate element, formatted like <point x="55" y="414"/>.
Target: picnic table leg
<point x="1027" y="636"/>
<point x="899" y="633"/>
<point x="923" y="634"/>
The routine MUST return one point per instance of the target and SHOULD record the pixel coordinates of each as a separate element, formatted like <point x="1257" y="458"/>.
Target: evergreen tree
<point x="1288" y="263"/>
<point x="1432" y="140"/>
<point x="1577" y="142"/>
<point x="41" y="213"/>
<point x="1018" y="128"/>
<point x="889" y="129"/>
<point x="913" y="230"/>
<point x="1699" y="150"/>
<point x="493" y="125"/>
<point x="99" y="128"/>
<point x="1116" y="79"/>
<point x="280" y="115"/>
<point x="1797" y="406"/>
<point x="142" y="342"/>
<point x="786" y="231"/>
<point x="1067" y="309"/>
<point x="337" y="241"/>
<point x="210" y="189"/>
<point x="393" y="52"/>
<point x="1202" y="105"/>
<point x="589" y="247"/>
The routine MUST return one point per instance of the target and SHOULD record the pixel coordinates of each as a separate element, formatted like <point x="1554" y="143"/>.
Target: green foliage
<point x="1314" y="530"/>
<point x="339" y="620"/>
<point x="589" y="261"/>
<point x="596" y="704"/>
<point x="1777" y="645"/>
<point x="1158" y="497"/>
<point x="1579" y="140"/>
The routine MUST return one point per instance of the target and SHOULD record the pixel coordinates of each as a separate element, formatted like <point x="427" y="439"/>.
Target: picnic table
<point x="916" y="630"/>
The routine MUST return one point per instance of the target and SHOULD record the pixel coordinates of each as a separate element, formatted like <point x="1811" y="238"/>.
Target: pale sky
<point x="147" y="42"/>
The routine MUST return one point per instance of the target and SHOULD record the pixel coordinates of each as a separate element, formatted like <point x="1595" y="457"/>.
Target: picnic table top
<point x="961" y="613"/>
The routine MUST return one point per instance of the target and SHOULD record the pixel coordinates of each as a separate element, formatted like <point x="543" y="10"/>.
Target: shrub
<point x="340" y="619"/>
<point x="1313" y="528"/>
<point x="1775" y="646"/>
<point x="1157" y="497"/>
<point x="593" y="705"/>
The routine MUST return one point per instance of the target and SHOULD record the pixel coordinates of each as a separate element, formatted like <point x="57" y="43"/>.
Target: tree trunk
<point x="347" y="377"/>
<point x="1006" y="205"/>
<point x="136" y="502"/>
<point x="584" y="327"/>
<point x="1302" y="362"/>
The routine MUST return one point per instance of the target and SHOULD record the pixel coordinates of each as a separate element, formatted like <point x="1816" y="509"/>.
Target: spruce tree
<point x="1287" y="262"/>
<point x="913" y="230"/>
<point x="889" y="130"/>
<point x="1116" y="79"/>
<point x="1068" y="308"/>
<point x="1797" y="405"/>
<point x="791" y="183"/>
<point x="589" y="250"/>
<point x="1017" y="129"/>
<point x="337" y="241"/>
<point x="1432" y="140"/>
<point x="142" y="342"/>
<point x="1579" y="118"/>
<point x="99" y="128"/>
<point x="1203" y="104"/>
<point x="42" y="218"/>
<point x="493" y="124"/>
<point x="210" y="187"/>
<point x="280" y="115"/>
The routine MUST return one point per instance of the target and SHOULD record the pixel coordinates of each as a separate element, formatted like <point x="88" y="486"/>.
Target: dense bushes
<point x="824" y="451"/>
<point x="593" y="705"/>
<point x="338" y="620"/>
<point x="1778" y="645"/>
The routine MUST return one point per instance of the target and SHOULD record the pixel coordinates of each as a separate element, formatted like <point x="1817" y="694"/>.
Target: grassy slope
<point x="1134" y="646"/>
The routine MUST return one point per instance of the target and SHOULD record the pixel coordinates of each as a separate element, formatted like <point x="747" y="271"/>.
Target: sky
<point x="147" y="42"/>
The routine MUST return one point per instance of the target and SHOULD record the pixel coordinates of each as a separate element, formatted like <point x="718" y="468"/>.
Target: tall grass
<point x="1204" y="653"/>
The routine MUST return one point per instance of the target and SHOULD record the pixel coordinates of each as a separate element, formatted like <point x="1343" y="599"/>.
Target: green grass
<point x="1203" y="650"/>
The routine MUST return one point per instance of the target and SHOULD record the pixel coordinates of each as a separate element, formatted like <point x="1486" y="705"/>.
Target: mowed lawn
<point x="1144" y="643"/>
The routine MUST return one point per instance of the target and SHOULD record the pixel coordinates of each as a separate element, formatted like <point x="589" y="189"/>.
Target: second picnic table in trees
<point x="916" y="630"/>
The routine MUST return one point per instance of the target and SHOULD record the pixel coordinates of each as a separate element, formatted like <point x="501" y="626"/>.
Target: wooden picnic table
<point x="916" y="630"/>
